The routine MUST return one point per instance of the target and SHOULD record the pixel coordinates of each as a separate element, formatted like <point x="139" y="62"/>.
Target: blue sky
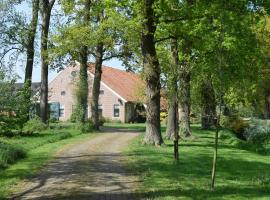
<point x="19" y="69"/>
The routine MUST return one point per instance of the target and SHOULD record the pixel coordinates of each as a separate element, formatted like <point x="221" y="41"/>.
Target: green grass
<point x="138" y="127"/>
<point x="39" y="148"/>
<point x="241" y="174"/>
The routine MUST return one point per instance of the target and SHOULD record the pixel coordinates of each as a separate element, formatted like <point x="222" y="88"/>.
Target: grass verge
<point x="40" y="149"/>
<point x="241" y="174"/>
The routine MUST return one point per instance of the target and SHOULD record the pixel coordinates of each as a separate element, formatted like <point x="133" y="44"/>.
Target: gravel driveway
<point x="88" y="170"/>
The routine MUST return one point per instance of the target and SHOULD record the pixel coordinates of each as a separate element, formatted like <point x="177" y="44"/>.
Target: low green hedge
<point x="9" y="154"/>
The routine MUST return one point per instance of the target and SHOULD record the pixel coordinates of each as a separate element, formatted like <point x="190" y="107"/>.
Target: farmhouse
<point x="118" y="100"/>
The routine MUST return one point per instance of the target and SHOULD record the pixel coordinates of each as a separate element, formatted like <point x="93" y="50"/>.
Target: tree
<point x="12" y="28"/>
<point x="175" y="23"/>
<point x="103" y="35"/>
<point x="208" y="104"/>
<point x="30" y="53"/>
<point x="172" y="124"/>
<point x="152" y="75"/>
<point x="18" y="39"/>
<point x="82" y="90"/>
<point x="46" y="8"/>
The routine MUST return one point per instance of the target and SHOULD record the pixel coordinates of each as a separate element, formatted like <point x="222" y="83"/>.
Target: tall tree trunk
<point x="184" y="91"/>
<point x="172" y="119"/>
<point x="82" y="90"/>
<point x="96" y="86"/>
<point x="30" y="51"/>
<point x="152" y="76"/>
<point x="46" y="15"/>
<point x="174" y="97"/>
<point x="184" y="102"/>
<point x="208" y="104"/>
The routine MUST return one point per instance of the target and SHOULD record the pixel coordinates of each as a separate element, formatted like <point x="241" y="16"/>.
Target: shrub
<point x="34" y="125"/>
<point x="9" y="154"/>
<point x="53" y="120"/>
<point x="235" y="124"/>
<point x="60" y="136"/>
<point x="258" y="133"/>
<point x="5" y="130"/>
<point x="86" y="127"/>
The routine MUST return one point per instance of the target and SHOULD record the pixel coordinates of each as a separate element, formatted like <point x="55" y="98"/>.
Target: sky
<point x="19" y="69"/>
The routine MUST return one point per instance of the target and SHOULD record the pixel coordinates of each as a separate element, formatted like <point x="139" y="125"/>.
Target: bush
<point x="34" y="125"/>
<point x="60" y="136"/>
<point x="258" y="133"/>
<point x="5" y="130"/>
<point x="235" y="124"/>
<point x="53" y="120"/>
<point x="86" y="127"/>
<point x="9" y="154"/>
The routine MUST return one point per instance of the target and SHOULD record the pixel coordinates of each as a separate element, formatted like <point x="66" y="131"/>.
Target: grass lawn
<point x="241" y="174"/>
<point x="39" y="148"/>
<point x="138" y="127"/>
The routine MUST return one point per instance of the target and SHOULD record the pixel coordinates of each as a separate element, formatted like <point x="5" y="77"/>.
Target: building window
<point x="63" y="93"/>
<point x="101" y="92"/>
<point x="100" y="110"/>
<point x="61" y="111"/>
<point x="116" y="110"/>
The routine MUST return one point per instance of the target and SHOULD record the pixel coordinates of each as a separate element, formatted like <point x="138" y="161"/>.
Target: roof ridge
<point x="113" y="68"/>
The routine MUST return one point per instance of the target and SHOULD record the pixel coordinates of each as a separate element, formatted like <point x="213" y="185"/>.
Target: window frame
<point x="116" y="107"/>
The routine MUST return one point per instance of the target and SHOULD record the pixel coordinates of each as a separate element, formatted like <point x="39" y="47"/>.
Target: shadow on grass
<point x="64" y="170"/>
<point x="196" y="194"/>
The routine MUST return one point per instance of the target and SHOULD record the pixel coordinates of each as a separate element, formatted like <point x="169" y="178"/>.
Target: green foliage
<point x="258" y="133"/>
<point x="34" y="125"/>
<point x="236" y="124"/>
<point x="77" y="114"/>
<point x="60" y="136"/>
<point x="4" y="128"/>
<point x="86" y="127"/>
<point x="53" y="120"/>
<point x="9" y="154"/>
<point x="14" y="103"/>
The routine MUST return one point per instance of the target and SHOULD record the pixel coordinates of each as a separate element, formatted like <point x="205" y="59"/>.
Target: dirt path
<point x="87" y="170"/>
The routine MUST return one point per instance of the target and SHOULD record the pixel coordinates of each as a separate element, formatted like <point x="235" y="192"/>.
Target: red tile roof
<point x="126" y="84"/>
